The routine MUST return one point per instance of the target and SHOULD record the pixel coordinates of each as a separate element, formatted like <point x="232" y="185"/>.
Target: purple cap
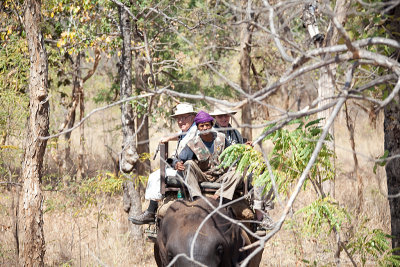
<point x="203" y="117"/>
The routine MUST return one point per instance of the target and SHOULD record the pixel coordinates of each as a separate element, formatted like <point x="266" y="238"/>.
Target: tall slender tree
<point x="392" y="144"/>
<point x="326" y="81"/>
<point x="142" y="117"/>
<point x="38" y="125"/>
<point x="129" y="156"/>
<point x="245" y="61"/>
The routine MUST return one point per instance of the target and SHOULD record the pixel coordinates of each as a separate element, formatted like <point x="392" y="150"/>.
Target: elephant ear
<point x="231" y="212"/>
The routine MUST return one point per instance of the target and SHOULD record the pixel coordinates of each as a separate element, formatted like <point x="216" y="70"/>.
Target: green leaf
<point x="314" y="122"/>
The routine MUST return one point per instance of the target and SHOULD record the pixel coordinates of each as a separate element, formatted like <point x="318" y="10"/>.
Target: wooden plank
<point x="163" y="159"/>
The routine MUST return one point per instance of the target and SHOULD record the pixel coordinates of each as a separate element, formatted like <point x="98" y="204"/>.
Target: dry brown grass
<point x="98" y="235"/>
<point x="95" y="236"/>
<point x="79" y="236"/>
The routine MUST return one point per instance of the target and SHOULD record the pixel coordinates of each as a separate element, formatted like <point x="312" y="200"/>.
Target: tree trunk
<point x="326" y="82"/>
<point x="37" y="125"/>
<point x="129" y="156"/>
<point x="14" y="213"/>
<point x="78" y="84"/>
<point x="245" y="49"/>
<point x="143" y="167"/>
<point x="68" y="162"/>
<point x="69" y="122"/>
<point x="392" y="133"/>
<point x="142" y="124"/>
<point x="77" y="97"/>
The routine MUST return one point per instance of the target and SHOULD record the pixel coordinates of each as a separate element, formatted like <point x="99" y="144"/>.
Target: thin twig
<point x="299" y="184"/>
<point x="10" y="183"/>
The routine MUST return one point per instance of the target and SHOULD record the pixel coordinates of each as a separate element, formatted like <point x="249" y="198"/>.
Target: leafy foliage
<point x="103" y="183"/>
<point x="289" y="157"/>
<point x="12" y="114"/>
<point x="14" y="73"/>
<point x="322" y="214"/>
<point x="293" y="149"/>
<point x="373" y="243"/>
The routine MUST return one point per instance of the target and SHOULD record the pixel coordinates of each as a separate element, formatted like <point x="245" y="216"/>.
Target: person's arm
<point x="239" y="136"/>
<point x="168" y="138"/>
<point x="185" y="155"/>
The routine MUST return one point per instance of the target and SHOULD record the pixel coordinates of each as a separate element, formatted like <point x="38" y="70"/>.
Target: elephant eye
<point x="220" y="250"/>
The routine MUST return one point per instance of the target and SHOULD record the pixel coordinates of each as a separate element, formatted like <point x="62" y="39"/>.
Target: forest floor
<point x="84" y="233"/>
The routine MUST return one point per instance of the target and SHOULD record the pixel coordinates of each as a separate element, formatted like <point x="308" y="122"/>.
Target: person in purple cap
<point x="198" y="161"/>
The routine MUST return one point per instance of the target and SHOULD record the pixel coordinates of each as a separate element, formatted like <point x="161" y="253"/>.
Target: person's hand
<point x="249" y="143"/>
<point x="166" y="139"/>
<point x="179" y="166"/>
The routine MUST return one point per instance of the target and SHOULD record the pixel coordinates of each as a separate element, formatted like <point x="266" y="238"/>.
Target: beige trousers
<point x="193" y="175"/>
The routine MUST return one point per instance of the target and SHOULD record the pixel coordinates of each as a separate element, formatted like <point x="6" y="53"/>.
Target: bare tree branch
<point x="285" y="56"/>
<point x="301" y="181"/>
<point x="124" y="7"/>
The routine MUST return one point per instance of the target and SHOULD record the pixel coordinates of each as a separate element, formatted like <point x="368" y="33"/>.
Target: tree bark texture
<point x="326" y="82"/>
<point x="350" y="123"/>
<point x="392" y="140"/>
<point x="37" y="125"/>
<point x="245" y="49"/>
<point x="142" y="119"/>
<point x="392" y="144"/>
<point x="129" y="156"/>
<point x="78" y="85"/>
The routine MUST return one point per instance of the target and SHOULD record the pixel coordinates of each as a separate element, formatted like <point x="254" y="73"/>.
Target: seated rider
<point x="184" y="115"/>
<point x="261" y="203"/>
<point x="222" y="118"/>
<point x="199" y="160"/>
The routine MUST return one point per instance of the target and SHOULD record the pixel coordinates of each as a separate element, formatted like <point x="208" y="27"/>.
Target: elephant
<point x="217" y="243"/>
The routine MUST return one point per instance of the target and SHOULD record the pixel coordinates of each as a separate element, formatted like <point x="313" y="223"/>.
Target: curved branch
<point x="96" y="63"/>
<point x="285" y="56"/>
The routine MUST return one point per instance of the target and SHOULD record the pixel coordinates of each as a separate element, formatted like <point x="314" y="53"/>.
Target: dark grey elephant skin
<point x="217" y="244"/>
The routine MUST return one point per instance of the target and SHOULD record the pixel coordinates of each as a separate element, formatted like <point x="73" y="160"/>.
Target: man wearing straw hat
<point x="184" y="116"/>
<point x="222" y="118"/>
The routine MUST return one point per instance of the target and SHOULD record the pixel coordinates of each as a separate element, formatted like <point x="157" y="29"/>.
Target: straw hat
<point x="184" y="108"/>
<point x="222" y="111"/>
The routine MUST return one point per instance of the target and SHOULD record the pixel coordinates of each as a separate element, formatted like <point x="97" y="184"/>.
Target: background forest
<point x="86" y="93"/>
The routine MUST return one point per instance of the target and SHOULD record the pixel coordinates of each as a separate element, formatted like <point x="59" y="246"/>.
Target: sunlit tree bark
<point x="245" y="49"/>
<point x="129" y="156"/>
<point x="142" y="119"/>
<point x="37" y="125"/>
